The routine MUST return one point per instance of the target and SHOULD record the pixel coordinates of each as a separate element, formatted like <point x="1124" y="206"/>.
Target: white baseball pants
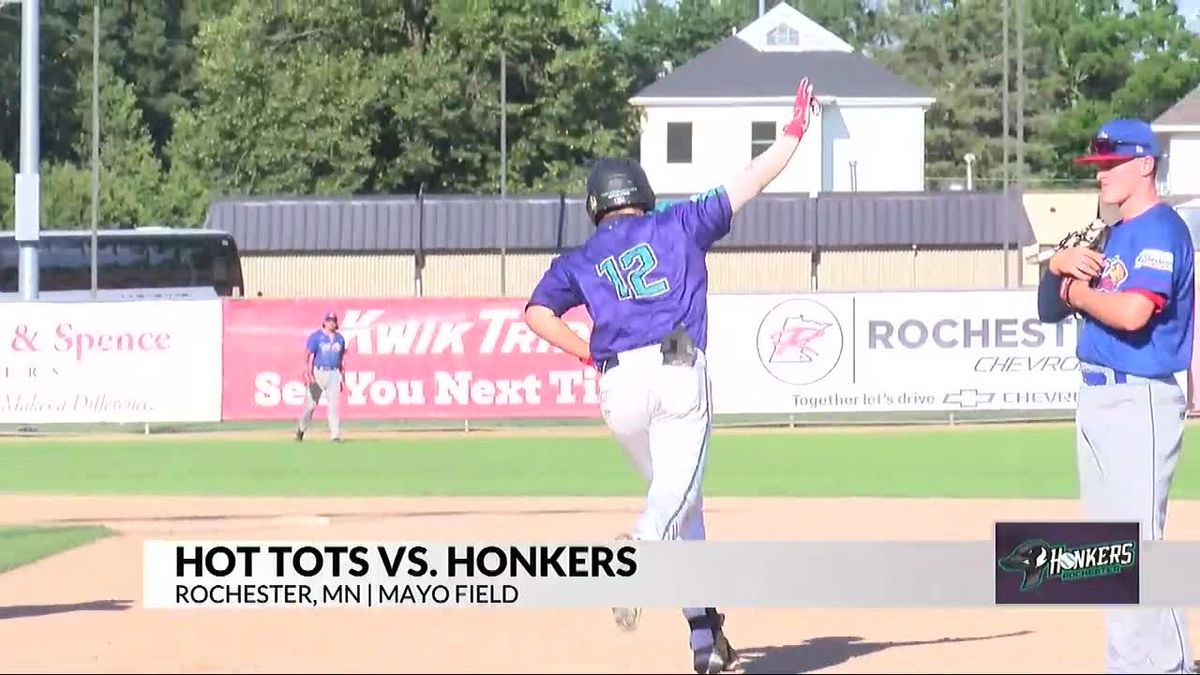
<point x="330" y="382"/>
<point x="661" y="415"/>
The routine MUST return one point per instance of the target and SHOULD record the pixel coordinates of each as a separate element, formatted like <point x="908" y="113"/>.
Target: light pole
<point x="95" y="144"/>
<point x="969" y="158"/>
<point x="1004" y="204"/>
<point x="28" y="183"/>
<point x="503" y="170"/>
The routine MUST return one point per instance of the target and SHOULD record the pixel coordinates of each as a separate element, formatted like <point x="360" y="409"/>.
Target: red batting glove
<point x="805" y="108"/>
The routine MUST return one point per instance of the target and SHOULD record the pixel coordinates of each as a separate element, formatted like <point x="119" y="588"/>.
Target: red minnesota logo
<point x="800" y="340"/>
<point x="793" y="343"/>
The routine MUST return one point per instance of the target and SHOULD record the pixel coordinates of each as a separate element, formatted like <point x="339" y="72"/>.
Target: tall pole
<point x="28" y="184"/>
<point x="503" y="124"/>
<point x="1020" y="95"/>
<point x="1004" y="205"/>
<point x="762" y="7"/>
<point x="503" y="170"/>
<point x="95" y="144"/>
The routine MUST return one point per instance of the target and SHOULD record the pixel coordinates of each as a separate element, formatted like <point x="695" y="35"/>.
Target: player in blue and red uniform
<point x="324" y="373"/>
<point x="1137" y="304"/>
<point x="643" y="279"/>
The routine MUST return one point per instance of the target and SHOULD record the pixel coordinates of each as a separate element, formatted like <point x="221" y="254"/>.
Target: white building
<point x="710" y="116"/>
<point x="1178" y="130"/>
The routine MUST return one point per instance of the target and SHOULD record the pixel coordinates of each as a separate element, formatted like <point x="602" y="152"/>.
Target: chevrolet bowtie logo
<point x="970" y="398"/>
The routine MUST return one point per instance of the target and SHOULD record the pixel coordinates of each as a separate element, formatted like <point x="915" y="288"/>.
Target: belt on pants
<point x="608" y="364"/>
<point x="1098" y="376"/>
<point x="668" y="350"/>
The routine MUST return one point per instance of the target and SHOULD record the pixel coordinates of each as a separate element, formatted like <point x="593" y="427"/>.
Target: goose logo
<point x="1038" y="561"/>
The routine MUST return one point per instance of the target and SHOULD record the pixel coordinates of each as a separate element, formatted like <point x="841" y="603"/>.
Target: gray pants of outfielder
<point x="1128" y="438"/>
<point x="326" y="382"/>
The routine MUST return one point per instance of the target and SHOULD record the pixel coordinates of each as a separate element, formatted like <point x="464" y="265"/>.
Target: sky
<point x="1189" y="8"/>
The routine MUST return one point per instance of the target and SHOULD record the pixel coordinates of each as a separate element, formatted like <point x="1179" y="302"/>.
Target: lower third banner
<point x="382" y="574"/>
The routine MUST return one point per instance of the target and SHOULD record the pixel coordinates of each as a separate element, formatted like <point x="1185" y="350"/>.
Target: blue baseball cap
<point x="1122" y="140"/>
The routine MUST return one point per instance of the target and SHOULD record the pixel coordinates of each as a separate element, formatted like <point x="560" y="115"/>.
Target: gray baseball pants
<point x="1128" y="439"/>
<point x="329" y="382"/>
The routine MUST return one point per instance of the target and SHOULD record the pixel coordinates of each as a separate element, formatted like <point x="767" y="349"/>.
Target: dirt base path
<point x="80" y="610"/>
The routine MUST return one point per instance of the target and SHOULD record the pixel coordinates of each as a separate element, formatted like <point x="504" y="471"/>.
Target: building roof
<point x="1185" y="112"/>
<point x="555" y="222"/>
<point x="780" y="48"/>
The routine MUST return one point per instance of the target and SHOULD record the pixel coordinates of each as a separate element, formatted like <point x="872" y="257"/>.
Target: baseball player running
<point x="643" y="279"/>
<point x="324" y="372"/>
<point x="1136" y="299"/>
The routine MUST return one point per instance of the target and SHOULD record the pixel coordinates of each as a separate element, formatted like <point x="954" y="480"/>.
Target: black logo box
<point x="1118" y="589"/>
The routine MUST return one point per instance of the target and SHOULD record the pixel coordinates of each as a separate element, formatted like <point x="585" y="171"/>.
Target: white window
<point x="783" y="35"/>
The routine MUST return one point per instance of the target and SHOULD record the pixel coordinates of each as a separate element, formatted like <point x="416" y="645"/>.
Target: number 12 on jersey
<point x="627" y="273"/>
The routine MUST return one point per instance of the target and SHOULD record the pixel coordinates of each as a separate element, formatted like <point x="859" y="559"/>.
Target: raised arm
<point x="763" y="169"/>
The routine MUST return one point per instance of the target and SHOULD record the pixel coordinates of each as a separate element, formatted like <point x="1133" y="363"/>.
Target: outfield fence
<point x="903" y="357"/>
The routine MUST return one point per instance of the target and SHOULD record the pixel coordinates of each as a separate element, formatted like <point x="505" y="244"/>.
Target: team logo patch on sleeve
<point x="1114" y="274"/>
<point x="1155" y="259"/>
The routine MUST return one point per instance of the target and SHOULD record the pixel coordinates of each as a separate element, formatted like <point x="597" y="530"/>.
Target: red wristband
<point x="1064" y="290"/>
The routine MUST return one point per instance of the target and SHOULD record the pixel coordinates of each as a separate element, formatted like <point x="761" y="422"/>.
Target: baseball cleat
<point x="718" y="657"/>
<point x="299" y="435"/>
<point x="626" y="617"/>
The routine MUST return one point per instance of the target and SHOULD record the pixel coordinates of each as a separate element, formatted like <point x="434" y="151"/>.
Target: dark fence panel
<point x="432" y="223"/>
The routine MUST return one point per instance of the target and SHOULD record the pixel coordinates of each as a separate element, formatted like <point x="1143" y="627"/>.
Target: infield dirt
<point x="81" y="610"/>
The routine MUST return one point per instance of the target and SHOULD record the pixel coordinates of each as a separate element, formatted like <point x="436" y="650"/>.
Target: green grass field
<point x="21" y="545"/>
<point x="984" y="461"/>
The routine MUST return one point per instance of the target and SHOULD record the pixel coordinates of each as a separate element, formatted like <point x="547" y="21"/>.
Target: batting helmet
<point x="617" y="183"/>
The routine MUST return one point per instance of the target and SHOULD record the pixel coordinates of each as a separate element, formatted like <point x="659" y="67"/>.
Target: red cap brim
<point x="1100" y="159"/>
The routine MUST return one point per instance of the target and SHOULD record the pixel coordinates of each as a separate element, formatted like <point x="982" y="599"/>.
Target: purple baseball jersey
<point x="641" y="276"/>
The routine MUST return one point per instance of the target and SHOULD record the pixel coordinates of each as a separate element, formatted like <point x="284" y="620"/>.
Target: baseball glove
<point x="1051" y="307"/>
<point x="1094" y="236"/>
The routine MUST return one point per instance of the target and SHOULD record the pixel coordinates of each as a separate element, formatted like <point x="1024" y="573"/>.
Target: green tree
<point x="149" y="45"/>
<point x="130" y="174"/>
<point x="657" y="33"/>
<point x="1084" y="63"/>
<point x="8" y="216"/>
<point x="566" y="89"/>
<point x="437" y="122"/>
<point x="66" y="196"/>
<point x="1110" y="63"/>
<point x="955" y="51"/>
<point x="60" y="126"/>
<point x="283" y="102"/>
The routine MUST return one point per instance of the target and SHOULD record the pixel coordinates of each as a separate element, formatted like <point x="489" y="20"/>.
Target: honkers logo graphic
<point x="1038" y="561"/>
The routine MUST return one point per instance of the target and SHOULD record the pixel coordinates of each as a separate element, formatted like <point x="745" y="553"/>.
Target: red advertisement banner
<point x="405" y="359"/>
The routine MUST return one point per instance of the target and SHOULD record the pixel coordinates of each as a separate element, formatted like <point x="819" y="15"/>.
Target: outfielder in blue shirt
<point x="1137" y="303"/>
<point x="324" y="374"/>
<point x="642" y="277"/>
